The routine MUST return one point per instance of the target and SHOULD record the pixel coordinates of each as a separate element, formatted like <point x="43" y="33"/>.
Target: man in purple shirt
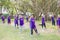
<point x="32" y="25"/>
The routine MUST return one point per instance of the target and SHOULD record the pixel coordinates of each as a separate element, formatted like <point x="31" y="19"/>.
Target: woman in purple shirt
<point x="3" y="18"/>
<point x="43" y="21"/>
<point x="9" y="19"/>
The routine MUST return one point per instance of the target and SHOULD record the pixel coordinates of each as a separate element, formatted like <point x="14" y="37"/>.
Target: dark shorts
<point x="9" y="21"/>
<point x="21" y="25"/>
<point x="33" y="26"/>
<point x="43" y="25"/>
<point x="53" y="23"/>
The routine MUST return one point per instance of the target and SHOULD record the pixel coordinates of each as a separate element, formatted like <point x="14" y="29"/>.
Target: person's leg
<point x="8" y="21"/>
<point x="31" y="31"/>
<point x="53" y="23"/>
<point x="27" y="20"/>
<point x="35" y="30"/>
<point x="23" y="27"/>
<point x="44" y="25"/>
<point x="3" y="21"/>
<point x="17" y="25"/>
<point x="59" y="28"/>
<point x="20" y="28"/>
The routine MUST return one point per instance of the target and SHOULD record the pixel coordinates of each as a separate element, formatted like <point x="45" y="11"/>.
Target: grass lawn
<point x="8" y="32"/>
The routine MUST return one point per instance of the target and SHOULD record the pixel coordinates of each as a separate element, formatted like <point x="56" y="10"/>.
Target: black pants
<point x="53" y="23"/>
<point x="34" y="30"/>
<point x="27" y="19"/>
<point x="44" y="25"/>
<point x="16" y="25"/>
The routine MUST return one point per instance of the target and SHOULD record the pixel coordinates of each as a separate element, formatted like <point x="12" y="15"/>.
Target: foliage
<point x="35" y="6"/>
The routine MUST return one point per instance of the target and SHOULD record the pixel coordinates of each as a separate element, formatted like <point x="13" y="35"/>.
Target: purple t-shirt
<point x="43" y="20"/>
<point x="21" y="20"/>
<point x="9" y="19"/>
<point x="32" y="23"/>
<point x="58" y="21"/>
<point x="3" y="18"/>
<point x="16" y="19"/>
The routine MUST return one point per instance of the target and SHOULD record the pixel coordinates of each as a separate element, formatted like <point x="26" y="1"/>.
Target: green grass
<point x="8" y="32"/>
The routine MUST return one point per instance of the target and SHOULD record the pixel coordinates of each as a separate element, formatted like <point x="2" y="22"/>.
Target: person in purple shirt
<point x="43" y="21"/>
<point x="21" y="21"/>
<point x="9" y="19"/>
<point x="3" y="18"/>
<point x="53" y="20"/>
<point x="16" y="21"/>
<point x="32" y="25"/>
<point x="58" y="22"/>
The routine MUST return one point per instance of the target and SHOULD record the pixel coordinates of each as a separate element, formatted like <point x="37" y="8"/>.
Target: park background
<point x="29" y="7"/>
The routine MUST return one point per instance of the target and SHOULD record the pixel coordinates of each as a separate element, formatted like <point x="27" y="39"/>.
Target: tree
<point x="8" y="5"/>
